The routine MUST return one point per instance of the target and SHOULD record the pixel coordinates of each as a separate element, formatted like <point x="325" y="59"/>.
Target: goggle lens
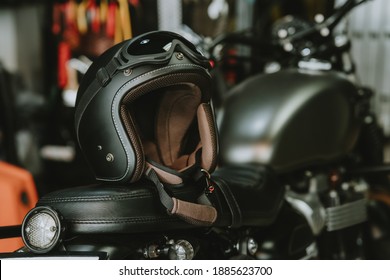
<point x="155" y="43"/>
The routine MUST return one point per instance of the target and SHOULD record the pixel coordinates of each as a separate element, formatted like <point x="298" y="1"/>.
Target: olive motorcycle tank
<point x="289" y="119"/>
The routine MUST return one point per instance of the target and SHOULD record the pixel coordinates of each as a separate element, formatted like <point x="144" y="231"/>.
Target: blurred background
<point x="47" y="45"/>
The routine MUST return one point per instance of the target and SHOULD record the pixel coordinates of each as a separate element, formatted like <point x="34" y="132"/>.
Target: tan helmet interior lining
<point x="172" y="125"/>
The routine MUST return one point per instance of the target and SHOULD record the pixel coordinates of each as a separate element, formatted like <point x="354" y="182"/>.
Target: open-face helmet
<point x="146" y="102"/>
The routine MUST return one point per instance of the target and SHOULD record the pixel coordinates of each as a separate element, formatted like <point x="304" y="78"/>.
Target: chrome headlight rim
<point x="57" y="231"/>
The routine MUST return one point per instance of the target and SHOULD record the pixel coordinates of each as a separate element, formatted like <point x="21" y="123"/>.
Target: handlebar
<point x="330" y="23"/>
<point x="243" y="39"/>
<point x="270" y="47"/>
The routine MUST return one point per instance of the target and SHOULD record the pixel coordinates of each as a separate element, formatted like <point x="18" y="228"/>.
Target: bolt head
<point x="179" y="56"/>
<point x="110" y="157"/>
<point x="127" y="72"/>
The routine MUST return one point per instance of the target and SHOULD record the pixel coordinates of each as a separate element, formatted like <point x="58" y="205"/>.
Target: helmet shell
<point x="106" y="130"/>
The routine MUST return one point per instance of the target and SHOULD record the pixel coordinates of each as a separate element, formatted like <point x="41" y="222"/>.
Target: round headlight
<point x="41" y="229"/>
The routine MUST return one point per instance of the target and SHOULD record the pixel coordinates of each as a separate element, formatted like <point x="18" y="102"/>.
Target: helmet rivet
<point x="127" y="72"/>
<point x="110" y="157"/>
<point x="179" y="56"/>
<point x="99" y="147"/>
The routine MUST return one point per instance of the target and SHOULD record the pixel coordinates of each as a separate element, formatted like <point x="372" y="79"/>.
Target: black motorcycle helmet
<point x="146" y="101"/>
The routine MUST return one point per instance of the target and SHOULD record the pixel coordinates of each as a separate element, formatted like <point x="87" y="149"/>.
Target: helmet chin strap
<point x="193" y="213"/>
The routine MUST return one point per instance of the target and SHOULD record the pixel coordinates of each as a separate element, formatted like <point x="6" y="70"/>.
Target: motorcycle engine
<point x="336" y="209"/>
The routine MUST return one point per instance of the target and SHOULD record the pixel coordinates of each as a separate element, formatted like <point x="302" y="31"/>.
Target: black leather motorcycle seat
<point x="242" y="196"/>
<point x="252" y="193"/>
<point x="105" y="208"/>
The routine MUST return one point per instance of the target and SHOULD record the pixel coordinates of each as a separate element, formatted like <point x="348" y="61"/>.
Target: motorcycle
<point x="289" y="182"/>
<point x="309" y="119"/>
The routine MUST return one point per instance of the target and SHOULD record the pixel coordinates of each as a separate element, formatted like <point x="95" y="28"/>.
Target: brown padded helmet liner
<point x="130" y="122"/>
<point x="171" y="125"/>
<point x="176" y="113"/>
<point x="165" y="123"/>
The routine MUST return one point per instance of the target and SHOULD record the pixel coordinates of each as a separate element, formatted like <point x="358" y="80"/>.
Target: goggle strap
<point x="105" y="74"/>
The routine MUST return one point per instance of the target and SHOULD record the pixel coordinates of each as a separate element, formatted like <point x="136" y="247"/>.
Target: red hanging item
<point x="110" y="26"/>
<point x="64" y="55"/>
<point x="96" y="19"/>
